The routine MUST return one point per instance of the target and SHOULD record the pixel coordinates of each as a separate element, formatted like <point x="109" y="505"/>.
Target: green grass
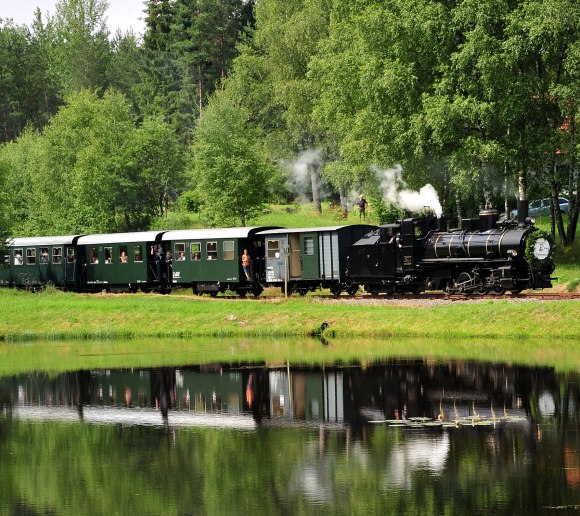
<point x="59" y="316"/>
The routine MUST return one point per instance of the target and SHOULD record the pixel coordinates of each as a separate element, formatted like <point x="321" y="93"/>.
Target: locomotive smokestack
<point x="522" y="211"/>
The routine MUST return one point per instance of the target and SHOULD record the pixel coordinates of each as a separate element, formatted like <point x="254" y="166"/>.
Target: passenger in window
<point x="181" y="257"/>
<point x="124" y="258"/>
<point x="44" y="255"/>
<point x="18" y="260"/>
<point x="95" y="258"/>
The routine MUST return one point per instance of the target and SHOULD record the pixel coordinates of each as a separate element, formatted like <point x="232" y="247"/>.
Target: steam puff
<point x="396" y="192"/>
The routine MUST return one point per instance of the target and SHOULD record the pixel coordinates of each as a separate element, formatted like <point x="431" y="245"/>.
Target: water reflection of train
<point x="247" y="395"/>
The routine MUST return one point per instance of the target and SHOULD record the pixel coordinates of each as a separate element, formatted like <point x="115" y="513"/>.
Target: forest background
<point x="224" y="106"/>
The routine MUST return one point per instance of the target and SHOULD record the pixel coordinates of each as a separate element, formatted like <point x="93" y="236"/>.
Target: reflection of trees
<point x="78" y="468"/>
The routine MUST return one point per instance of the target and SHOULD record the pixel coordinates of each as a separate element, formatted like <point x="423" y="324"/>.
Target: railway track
<point x="551" y="296"/>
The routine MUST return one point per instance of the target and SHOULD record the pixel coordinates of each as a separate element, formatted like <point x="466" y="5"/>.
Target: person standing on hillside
<point x="362" y="206"/>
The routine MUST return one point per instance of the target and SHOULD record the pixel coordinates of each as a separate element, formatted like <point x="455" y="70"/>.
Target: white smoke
<point x="300" y="172"/>
<point x="396" y="192"/>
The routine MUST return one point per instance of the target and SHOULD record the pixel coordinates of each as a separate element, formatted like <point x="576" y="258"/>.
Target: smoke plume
<point x="396" y="192"/>
<point x="300" y="172"/>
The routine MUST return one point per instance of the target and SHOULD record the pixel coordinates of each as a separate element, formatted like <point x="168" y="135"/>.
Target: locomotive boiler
<point x="425" y="253"/>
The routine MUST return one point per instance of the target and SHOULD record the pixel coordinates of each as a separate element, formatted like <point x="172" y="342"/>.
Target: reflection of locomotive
<point x="486" y="255"/>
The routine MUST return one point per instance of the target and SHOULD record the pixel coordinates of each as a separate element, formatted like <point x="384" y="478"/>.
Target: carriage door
<point x="70" y="266"/>
<point x="309" y="247"/>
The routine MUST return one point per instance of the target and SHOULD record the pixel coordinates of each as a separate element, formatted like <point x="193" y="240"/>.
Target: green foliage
<point x="228" y="167"/>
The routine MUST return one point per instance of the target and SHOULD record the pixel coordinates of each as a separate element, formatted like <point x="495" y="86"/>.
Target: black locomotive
<point x="423" y="254"/>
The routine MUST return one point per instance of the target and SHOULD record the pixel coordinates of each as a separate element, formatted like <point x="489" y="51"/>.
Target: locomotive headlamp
<point x="513" y="252"/>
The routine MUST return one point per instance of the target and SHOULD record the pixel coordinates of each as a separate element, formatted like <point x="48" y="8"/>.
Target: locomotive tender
<point x="413" y="255"/>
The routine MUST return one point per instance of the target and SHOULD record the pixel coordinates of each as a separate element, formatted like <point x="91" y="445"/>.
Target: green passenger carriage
<point x="123" y="261"/>
<point x="209" y="260"/>
<point x="35" y="261"/>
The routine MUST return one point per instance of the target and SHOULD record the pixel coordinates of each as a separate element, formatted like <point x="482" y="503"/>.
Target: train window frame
<point x="273" y="252"/>
<point x="31" y="256"/>
<point x="4" y="258"/>
<point x="44" y="256"/>
<point x="57" y="255"/>
<point x="70" y="255"/>
<point x="137" y="253"/>
<point x="308" y="246"/>
<point x="179" y="251"/>
<point x="228" y="254"/>
<point x="108" y="255"/>
<point x="123" y="249"/>
<point x="195" y="251"/>
<point x="18" y="257"/>
<point x="94" y="256"/>
<point x="211" y="251"/>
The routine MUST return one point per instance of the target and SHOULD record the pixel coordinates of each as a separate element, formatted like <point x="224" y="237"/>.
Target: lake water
<point x="394" y="437"/>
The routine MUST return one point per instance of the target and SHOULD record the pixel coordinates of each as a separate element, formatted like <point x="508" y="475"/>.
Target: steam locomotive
<point x="422" y="254"/>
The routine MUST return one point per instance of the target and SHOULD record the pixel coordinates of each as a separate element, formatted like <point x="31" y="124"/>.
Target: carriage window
<point x="195" y="250"/>
<point x="211" y="250"/>
<point x="57" y="255"/>
<point x="308" y="246"/>
<point x="70" y="255"/>
<point x="30" y="256"/>
<point x="273" y="247"/>
<point x="18" y="259"/>
<point x="4" y="258"/>
<point x="138" y="253"/>
<point x="94" y="255"/>
<point x="228" y="248"/>
<point x="179" y="251"/>
<point x="123" y="256"/>
<point x="44" y="256"/>
<point x="108" y="255"/>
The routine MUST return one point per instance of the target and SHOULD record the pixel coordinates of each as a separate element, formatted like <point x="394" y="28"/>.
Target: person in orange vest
<point x="246" y="264"/>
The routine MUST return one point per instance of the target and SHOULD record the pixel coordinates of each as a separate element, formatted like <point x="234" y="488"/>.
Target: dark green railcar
<point x="209" y="260"/>
<point x="35" y="261"/>
<point x="303" y="259"/>
<point x="124" y="262"/>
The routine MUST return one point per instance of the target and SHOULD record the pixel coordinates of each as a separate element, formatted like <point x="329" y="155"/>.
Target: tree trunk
<point x="344" y="204"/>
<point x="505" y="191"/>
<point x="458" y="207"/>
<point x="314" y="178"/>
<point x="486" y="171"/>
<point x="573" y="186"/>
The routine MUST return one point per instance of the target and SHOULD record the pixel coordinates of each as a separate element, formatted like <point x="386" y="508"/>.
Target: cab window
<point x="30" y="256"/>
<point x="228" y="248"/>
<point x="211" y="250"/>
<point x="57" y="255"/>
<point x="273" y="248"/>
<point x="195" y="251"/>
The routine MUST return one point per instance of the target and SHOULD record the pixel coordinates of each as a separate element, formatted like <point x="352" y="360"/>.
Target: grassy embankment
<point x="57" y="316"/>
